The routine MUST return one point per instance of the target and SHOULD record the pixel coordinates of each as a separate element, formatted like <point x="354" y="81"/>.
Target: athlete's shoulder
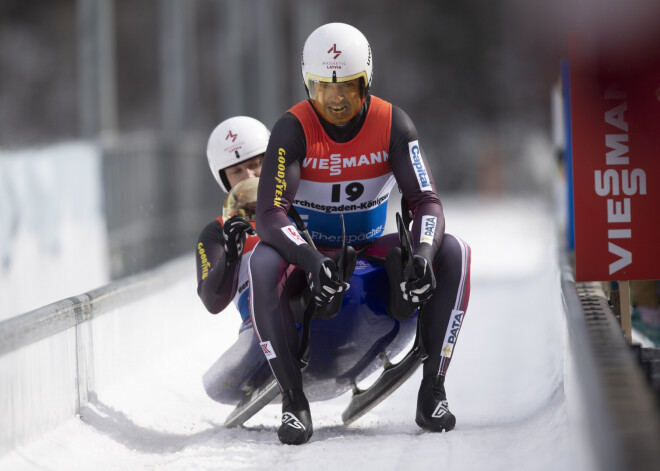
<point x="288" y="134"/>
<point x="287" y="125"/>
<point x="300" y="107"/>
<point x="402" y="125"/>
<point x="212" y="232"/>
<point x="378" y="101"/>
<point x="401" y="118"/>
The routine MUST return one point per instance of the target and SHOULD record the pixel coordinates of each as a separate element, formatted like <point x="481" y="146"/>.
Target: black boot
<point x="432" y="407"/>
<point x="296" y="427"/>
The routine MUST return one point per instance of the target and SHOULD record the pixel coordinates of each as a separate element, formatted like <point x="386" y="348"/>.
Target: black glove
<point x="419" y="289"/>
<point x="234" y="231"/>
<point x="324" y="281"/>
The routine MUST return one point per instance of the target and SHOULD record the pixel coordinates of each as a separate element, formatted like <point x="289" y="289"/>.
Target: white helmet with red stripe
<point x="234" y="141"/>
<point x="336" y="52"/>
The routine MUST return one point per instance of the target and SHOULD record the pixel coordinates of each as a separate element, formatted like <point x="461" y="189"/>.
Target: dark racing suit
<point x="323" y="170"/>
<point x="219" y="282"/>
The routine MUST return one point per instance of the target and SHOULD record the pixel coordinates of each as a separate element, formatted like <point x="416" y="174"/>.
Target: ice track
<point x="509" y="384"/>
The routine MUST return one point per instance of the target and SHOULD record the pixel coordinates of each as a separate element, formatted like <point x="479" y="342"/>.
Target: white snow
<point x="505" y="384"/>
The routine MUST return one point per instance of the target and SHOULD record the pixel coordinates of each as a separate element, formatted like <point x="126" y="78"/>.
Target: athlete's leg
<point x="242" y="364"/>
<point x="442" y="318"/>
<point x="274" y="327"/>
<point x="443" y="314"/>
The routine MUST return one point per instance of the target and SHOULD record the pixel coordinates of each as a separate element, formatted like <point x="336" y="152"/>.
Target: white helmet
<point x="233" y="141"/>
<point x="336" y="52"/>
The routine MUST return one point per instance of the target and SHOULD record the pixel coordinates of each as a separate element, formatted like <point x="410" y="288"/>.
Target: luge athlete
<point x="342" y="151"/>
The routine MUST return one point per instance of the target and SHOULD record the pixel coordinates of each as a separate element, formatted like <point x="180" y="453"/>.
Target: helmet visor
<point x="339" y="100"/>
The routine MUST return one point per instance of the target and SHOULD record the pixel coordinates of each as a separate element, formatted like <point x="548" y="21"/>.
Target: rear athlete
<point x="342" y="151"/>
<point x="235" y="153"/>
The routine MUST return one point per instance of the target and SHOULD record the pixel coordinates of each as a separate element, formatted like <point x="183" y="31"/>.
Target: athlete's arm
<point x="216" y="279"/>
<point x="413" y="175"/>
<point x="278" y="183"/>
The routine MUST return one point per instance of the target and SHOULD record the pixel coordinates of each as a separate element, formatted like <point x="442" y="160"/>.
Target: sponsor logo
<point x="350" y="239"/>
<point x="428" y="229"/>
<point x="333" y="50"/>
<point x="243" y="286"/>
<point x="293" y="235"/>
<point x="336" y="162"/>
<point x="292" y="421"/>
<point x="361" y="265"/>
<point x="334" y="63"/>
<point x="232" y="145"/>
<point x="268" y="350"/>
<point x="418" y="164"/>
<point x="613" y="181"/>
<point x="280" y="186"/>
<point x="205" y="265"/>
<point x="440" y="410"/>
<point x="342" y="207"/>
<point x="451" y="335"/>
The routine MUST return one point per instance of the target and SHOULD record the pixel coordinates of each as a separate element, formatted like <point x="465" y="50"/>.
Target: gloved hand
<point x="421" y="288"/>
<point x="324" y="281"/>
<point x="234" y="231"/>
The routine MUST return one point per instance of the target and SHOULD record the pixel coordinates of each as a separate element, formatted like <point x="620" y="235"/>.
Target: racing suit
<point x="324" y="170"/>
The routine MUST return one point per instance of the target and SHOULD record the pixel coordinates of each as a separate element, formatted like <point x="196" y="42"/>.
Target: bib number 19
<point x="353" y="191"/>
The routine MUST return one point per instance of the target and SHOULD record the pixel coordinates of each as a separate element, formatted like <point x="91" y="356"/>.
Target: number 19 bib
<point x="353" y="178"/>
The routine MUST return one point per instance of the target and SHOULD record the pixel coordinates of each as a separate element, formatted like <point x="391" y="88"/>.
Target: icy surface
<point x="505" y="383"/>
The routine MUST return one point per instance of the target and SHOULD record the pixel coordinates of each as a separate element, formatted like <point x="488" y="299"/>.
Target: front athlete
<point x="342" y="151"/>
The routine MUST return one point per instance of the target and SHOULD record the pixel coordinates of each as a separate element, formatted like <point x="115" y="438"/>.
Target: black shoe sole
<point x="447" y="424"/>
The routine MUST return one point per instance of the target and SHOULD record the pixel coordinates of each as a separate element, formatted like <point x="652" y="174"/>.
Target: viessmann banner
<point x="615" y="116"/>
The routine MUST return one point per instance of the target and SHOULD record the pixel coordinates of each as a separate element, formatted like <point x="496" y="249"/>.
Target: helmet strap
<point x="223" y="178"/>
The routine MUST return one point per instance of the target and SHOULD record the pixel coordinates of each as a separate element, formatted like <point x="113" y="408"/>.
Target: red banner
<point x="615" y="118"/>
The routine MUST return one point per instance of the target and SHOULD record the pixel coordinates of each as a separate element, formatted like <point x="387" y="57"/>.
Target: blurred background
<point x="106" y="106"/>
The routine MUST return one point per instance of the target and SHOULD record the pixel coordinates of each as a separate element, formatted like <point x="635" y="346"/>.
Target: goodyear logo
<point x="418" y="164"/>
<point x="280" y="185"/>
<point x="205" y="265"/>
<point x="428" y="229"/>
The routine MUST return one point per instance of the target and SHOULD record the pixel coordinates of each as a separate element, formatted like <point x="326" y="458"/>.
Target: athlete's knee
<point x="264" y="263"/>
<point x="453" y="252"/>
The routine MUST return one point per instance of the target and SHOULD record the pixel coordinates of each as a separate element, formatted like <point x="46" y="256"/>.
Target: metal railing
<point x="49" y="357"/>
<point x="623" y="419"/>
<point x="53" y="318"/>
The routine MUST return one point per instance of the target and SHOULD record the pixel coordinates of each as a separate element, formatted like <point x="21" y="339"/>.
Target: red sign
<point x="615" y="118"/>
